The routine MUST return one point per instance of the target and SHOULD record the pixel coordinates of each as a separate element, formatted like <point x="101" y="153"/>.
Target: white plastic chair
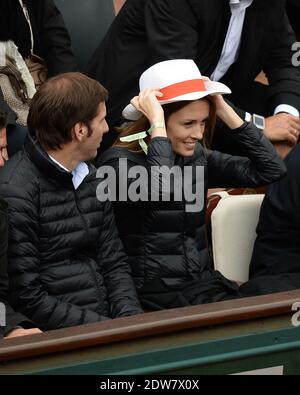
<point x="233" y="224"/>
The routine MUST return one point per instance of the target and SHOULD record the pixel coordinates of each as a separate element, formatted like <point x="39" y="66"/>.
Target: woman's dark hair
<point x="142" y="124"/>
<point x="59" y="104"/>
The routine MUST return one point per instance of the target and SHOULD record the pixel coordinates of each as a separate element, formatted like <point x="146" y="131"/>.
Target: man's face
<point x="97" y="128"/>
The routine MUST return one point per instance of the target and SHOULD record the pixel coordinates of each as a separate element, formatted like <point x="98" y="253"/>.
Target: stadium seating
<point x="233" y="225"/>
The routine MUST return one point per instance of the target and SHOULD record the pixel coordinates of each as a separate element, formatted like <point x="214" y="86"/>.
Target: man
<point x="12" y="324"/>
<point x="230" y="40"/>
<point x="275" y="264"/>
<point x="65" y="259"/>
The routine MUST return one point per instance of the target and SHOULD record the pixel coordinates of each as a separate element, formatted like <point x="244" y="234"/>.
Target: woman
<point x="165" y="240"/>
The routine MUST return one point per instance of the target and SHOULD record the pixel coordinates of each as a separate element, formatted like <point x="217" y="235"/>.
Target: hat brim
<point x="212" y="88"/>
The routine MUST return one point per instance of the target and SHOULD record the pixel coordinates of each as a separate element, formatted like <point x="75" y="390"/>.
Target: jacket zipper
<point x="94" y="274"/>
<point x="83" y="220"/>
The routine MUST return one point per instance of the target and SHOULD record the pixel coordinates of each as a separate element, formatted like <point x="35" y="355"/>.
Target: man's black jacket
<point x="12" y="318"/>
<point x="275" y="263"/>
<point x="65" y="260"/>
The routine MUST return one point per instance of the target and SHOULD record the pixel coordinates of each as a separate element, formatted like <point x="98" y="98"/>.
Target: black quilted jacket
<point x="65" y="260"/>
<point x="12" y="318"/>
<point x="162" y="239"/>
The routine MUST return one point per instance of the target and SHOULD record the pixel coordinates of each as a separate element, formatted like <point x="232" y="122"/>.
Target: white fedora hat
<point x="178" y="80"/>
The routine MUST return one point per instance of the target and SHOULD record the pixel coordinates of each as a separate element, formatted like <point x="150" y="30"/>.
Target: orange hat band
<point x="182" y="88"/>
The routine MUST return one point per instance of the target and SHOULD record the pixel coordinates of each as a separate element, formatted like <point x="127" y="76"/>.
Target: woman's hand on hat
<point x="221" y="105"/>
<point x="226" y="113"/>
<point x="146" y="102"/>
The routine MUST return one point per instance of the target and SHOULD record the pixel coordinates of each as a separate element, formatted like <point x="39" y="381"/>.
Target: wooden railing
<point x="149" y="324"/>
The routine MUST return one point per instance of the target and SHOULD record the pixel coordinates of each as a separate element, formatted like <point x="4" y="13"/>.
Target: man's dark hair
<point x="59" y="104"/>
<point x="3" y="119"/>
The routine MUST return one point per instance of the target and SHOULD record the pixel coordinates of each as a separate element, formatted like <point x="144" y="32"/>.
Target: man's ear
<point x="80" y="131"/>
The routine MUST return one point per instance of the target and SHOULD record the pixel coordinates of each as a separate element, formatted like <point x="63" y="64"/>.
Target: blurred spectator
<point x="46" y="36"/>
<point x="275" y="264"/>
<point x="34" y="44"/>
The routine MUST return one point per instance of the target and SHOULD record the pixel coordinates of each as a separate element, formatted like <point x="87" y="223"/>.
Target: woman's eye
<point x="191" y="123"/>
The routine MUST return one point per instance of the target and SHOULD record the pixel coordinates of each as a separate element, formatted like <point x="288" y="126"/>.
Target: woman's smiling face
<point x="186" y="126"/>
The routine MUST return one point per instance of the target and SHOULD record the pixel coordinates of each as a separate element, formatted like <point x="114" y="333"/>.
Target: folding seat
<point x="233" y="232"/>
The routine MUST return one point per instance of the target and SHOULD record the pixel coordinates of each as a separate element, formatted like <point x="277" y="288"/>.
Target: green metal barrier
<point x="221" y="338"/>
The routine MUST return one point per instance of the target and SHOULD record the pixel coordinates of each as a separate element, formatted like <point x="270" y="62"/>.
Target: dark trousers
<point x="211" y="287"/>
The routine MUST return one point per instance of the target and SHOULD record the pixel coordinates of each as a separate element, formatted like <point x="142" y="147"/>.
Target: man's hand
<point x="283" y="149"/>
<point x="3" y="149"/>
<point x="283" y="127"/>
<point x="22" y="332"/>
